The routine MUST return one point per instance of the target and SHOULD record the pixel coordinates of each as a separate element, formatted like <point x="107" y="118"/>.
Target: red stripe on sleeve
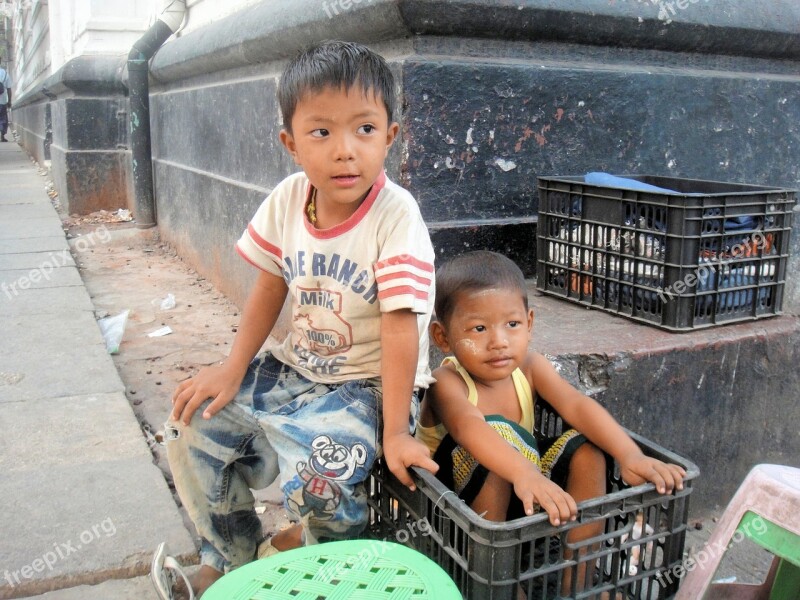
<point x="402" y="290"/>
<point x="264" y="244"/>
<point x="404" y="259"/>
<point x="244" y="256"/>
<point x="404" y="275"/>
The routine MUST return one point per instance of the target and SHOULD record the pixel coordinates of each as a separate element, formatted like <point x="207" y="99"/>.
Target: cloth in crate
<point x="727" y="242"/>
<point x="460" y="472"/>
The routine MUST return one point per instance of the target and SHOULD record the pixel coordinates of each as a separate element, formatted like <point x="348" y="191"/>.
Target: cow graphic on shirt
<point x="324" y="333"/>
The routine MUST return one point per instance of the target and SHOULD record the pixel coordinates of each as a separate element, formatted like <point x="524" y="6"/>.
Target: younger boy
<point x="477" y="418"/>
<point x="350" y="249"/>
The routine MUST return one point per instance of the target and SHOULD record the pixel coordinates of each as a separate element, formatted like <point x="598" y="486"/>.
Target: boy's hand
<point x="534" y="488"/>
<point x="402" y="451"/>
<point x="638" y="468"/>
<point x="218" y="382"/>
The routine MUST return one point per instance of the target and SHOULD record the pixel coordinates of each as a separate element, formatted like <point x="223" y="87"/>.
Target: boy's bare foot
<point x="289" y="538"/>
<point x="200" y="582"/>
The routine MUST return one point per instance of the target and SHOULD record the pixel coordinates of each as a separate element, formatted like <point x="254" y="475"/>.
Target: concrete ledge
<point x="95" y="75"/>
<point x="274" y="30"/>
<point x="718" y="26"/>
<point x="724" y="397"/>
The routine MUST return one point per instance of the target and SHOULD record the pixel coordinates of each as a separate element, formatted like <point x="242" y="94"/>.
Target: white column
<point x="110" y="26"/>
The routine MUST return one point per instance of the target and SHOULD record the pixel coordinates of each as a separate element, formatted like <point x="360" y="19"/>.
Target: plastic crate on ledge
<point x="711" y="253"/>
<point x="491" y="560"/>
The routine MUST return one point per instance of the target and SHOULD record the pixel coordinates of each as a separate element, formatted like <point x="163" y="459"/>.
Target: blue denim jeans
<point x="320" y="440"/>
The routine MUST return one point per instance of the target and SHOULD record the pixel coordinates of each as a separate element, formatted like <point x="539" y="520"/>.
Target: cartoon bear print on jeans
<point x="329" y="462"/>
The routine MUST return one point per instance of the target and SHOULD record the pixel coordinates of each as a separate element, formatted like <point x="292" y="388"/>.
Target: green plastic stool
<point x="346" y="570"/>
<point x="784" y="544"/>
<point x="764" y="510"/>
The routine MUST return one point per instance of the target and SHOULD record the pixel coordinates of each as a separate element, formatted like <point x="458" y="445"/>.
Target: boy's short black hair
<point x="339" y="65"/>
<point x="472" y="271"/>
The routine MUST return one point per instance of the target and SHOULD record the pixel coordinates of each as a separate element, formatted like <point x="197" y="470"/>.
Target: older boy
<point x="350" y="249"/>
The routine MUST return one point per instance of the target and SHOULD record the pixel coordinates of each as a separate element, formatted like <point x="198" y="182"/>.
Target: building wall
<point x="31" y="45"/>
<point x="201" y="13"/>
<point x="70" y="104"/>
<point x="491" y="98"/>
<point x="56" y="89"/>
<point x="491" y="95"/>
<point x="50" y="33"/>
<point x="489" y="105"/>
<point x="103" y="26"/>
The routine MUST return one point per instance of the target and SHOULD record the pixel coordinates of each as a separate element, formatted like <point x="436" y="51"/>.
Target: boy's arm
<point x="466" y="424"/>
<point x="221" y="382"/>
<point x="592" y="420"/>
<point x="399" y="355"/>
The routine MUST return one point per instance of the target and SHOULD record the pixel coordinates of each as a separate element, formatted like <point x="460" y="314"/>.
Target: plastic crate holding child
<point x="641" y="544"/>
<point x="497" y="459"/>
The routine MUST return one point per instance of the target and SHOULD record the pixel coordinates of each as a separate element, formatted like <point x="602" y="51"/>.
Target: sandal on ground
<point x="164" y="572"/>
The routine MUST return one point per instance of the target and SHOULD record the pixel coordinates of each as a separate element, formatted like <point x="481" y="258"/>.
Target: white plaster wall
<point x="106" y="26"/>
<point x="31" y="45"/>
<point x="49" y="33"/>
<point x="203" y="12"/>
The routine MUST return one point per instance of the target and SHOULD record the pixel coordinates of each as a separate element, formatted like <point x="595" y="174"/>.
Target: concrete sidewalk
<point x="83" y="502"/>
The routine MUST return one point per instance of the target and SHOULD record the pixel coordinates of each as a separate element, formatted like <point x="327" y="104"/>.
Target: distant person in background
<point x="5" y="102"/>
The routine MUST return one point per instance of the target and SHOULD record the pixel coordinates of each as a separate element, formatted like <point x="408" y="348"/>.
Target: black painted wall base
<point x="91" y="180"/>
<point x="90" y="161"/>
<point x="78" y="120"/>
<point x="34" y="128"/>
<point x="515" y="240"/>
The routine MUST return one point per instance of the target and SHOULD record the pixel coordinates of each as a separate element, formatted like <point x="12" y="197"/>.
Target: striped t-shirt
<point x="341" y="279"/>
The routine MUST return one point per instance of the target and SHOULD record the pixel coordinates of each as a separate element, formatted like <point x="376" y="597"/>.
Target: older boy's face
<point x="488" y="332"/>
<point x="341" y="139"/>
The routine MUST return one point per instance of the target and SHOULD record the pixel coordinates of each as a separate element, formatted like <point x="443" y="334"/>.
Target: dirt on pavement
<point x="129" y="269"/>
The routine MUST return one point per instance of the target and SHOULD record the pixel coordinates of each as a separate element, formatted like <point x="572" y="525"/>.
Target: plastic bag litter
<point x="166" y="303"/>
<point x="166" y="330"/>
<point x="112" y="329"/>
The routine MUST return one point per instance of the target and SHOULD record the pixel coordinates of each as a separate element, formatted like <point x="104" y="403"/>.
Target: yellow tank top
<point x="433" y="436"/>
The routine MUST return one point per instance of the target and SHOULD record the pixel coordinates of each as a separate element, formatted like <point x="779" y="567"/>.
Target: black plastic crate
<point x="710" y="254"/>
<point x="491" y="560"/>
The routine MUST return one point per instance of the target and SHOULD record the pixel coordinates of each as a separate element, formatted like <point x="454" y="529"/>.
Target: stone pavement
<point x="83" y="502"/>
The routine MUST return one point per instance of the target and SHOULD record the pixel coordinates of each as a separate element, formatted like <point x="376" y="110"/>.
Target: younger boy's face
<point x="340" y="138"/>
<point x="488" y="332"/>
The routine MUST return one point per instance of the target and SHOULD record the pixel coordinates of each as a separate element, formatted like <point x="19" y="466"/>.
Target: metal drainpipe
<point x="169" y="21"/>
